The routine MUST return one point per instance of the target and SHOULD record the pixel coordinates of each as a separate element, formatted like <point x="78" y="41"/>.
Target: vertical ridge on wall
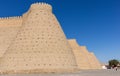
<point x="95" y="64"/>
<point x="80" y="55"/>
<point x="84" y="59"/>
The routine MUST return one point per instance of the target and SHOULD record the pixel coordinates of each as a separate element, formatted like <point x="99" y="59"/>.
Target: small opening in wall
<point x="36" y="13"/>
<point x="9" y="57"/>
<point x="20" y="38"/>
<point x="41" y="11"/>
<point x="26" y="64"/>
<point x="38" y="38"/>
<point x="14" y="65"/>
<point x="36" y="41"/>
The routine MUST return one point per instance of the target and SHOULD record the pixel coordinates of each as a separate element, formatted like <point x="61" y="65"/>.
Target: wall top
<point x="91" y="53"/>
<point x="34" y="6"/>
<point x="41" y="6"/>
<point x="7" y="18"/>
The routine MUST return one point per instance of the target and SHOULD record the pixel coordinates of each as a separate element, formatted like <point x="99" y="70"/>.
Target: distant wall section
<point x="84" y="59"/>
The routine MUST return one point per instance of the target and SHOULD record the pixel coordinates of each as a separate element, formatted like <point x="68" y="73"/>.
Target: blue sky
<point x="94" y="23"/>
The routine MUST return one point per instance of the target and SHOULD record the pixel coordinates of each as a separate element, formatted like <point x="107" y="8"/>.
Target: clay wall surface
<point x="95" y="64"/>
<point x="8" y="30"/>
<point x="39" y="46"/>
<point x="85" y="58"/>
<point x="91" y="59"/>
<point x="10" y="21"/>
<point x="82" y="60"/>
<point x="35" y="42"/>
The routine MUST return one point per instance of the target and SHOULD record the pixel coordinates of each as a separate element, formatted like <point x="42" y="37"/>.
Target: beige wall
<point x="95" y="64"/>
<point x="40" y="45"/>
<point x="85" y="60"/>
<point x="8" y="30"/>
<point x="10" y="21"/>
<point x="80" y="55"/>
<point x="35" y="42"/>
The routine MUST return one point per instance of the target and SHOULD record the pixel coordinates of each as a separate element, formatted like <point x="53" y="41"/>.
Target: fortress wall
<point x="80" y="55"/>
<point x="10" y="21"/>
<point x="85" y="52"/>
<point x="39" y="46"/>
<point x="92" y="60"/>
<point x="8" y="30"/>
<point x="84" y="59"/>
<point x="95" y="64"/>
<point x="35" y="42"/>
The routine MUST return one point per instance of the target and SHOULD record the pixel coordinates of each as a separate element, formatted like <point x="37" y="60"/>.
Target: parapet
<point x="15" y="17"/>
<point x="10" y="21"/>
<point x="72" y="40"/>
<point x="91" y="53"/>
<point x="41" y="6"/>
<point x="84" y="47"/>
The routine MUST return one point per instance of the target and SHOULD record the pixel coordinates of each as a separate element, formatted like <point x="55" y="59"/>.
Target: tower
<point x="39" y="46"/>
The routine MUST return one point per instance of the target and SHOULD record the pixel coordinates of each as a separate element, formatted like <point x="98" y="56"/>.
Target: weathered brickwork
<point x="95" y="64"/>
<point x="39" y="44"/>
<point x="84" y="59"/>
<point x="35" y="43"/>
<point x="8" y="29"/>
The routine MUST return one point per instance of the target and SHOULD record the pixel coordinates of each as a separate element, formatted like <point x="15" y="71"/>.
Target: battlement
<point x="84" y="47"/>
<point x="91" y="53"/>
<point x="10" y="21"/>
<point x="72" y="40"/>
<point x="14" y="17"/>
<point x="41" y="6"/>
<point x="34" y="6"/>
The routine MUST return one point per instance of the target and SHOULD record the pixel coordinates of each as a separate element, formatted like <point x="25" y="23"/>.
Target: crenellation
<point x="11" y="21"/>
<point x="14" y="17"/>
<point x="41" y="6"/>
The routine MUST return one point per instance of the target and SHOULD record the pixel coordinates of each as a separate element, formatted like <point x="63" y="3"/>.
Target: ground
<point x="81" y="73"/>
